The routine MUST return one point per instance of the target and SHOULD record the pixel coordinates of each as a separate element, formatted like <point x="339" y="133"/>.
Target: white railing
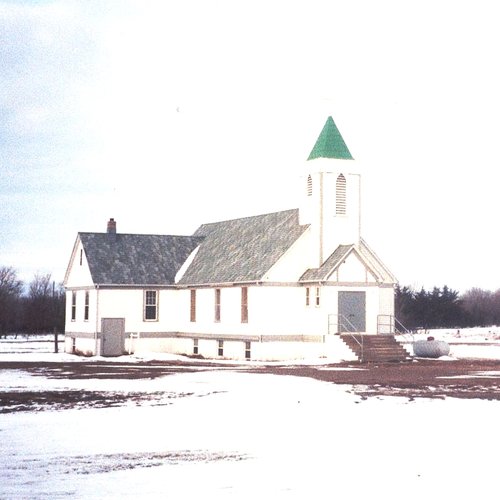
<point x="131" y="344"/>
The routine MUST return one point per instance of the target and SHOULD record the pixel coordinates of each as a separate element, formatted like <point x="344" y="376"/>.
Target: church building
<point x="283" y="285"/>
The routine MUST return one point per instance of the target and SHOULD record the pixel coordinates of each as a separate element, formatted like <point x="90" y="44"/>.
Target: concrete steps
<point x="375" y="348"/>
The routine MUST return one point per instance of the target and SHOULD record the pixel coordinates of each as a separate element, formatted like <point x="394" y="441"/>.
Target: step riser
<point x="375" y="349"/>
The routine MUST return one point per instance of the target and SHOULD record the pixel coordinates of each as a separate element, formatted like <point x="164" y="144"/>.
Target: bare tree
<point x="480" y="306"/>
<point x="39" y="304"/>
<point x="11" y="289"/>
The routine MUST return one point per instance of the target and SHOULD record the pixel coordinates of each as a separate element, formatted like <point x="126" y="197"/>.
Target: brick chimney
<point x="111" y="226"/>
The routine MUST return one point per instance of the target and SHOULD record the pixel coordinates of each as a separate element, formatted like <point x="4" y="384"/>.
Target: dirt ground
<point x="415" y="379"/>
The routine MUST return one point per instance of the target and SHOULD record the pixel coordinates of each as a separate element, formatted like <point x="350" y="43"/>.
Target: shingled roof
<point x="136" y="259"/>
<point x="330" y="144"/>
<point x="242" y="250"/>
<point x="322" y="273"/>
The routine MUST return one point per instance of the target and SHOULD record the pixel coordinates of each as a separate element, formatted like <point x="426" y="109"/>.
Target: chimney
<point x="111" y="226"/>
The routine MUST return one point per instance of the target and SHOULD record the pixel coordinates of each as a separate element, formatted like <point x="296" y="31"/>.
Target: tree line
<point x="34" y="307"/>
<point x="446" y="308"/>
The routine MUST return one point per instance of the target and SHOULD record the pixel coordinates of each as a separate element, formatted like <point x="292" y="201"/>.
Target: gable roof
<point x="374" y="260"/>
<point x="322" y="273"/>
<point x="330" y="144"/>
<point x="136" y="259"/>
<point x="363" y="251"/>
<point x="242" y="250"/>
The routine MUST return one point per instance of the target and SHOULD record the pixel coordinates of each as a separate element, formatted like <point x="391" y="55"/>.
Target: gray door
<point x="113" y="336"/>
<point x="352" y="311"/>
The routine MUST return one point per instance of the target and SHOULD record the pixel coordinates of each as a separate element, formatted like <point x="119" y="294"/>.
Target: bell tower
<point x="331" y="195"/>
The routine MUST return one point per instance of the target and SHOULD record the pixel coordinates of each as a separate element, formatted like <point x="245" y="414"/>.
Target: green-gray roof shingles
<point x="242" y="250"/>
<point x="136" y="259"/>
<point x="330" y="144"/>
<point x="322" y="273"/>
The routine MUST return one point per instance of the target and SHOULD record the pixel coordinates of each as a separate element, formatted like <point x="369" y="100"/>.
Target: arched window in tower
<point x="340" y="203"/>
<point x="309" y="186"/>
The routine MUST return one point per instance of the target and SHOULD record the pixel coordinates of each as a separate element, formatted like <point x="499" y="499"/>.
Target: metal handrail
<point x="404" y="331"/>
<point x="394" y="326"/>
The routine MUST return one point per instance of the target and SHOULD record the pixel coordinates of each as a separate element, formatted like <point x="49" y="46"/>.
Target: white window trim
<point x="156" y="305"/>
<point x="73" y="305"/>
<point x="86" y="306"/>
<point x="317" y="297"/>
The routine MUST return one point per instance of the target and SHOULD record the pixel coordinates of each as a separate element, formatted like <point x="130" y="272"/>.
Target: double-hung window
<point x="244" y="304"/>
<point x="73" y="306"/>
<point x="192" y="310"/>
<point x="317" y="301"/>
<point x="87" y="306"/>
<point x="217" y="305"/>
<point x="150" y="305"/>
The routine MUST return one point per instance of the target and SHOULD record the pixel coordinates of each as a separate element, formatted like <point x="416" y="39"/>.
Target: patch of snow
<point x="251" y="436"/>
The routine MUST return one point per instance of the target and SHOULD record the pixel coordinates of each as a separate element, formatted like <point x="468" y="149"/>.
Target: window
<point x="309" y="186"/>
<point x="195" y="346"/>
<point x="150" y="305"/>
<point x="248" y="353"/>
<point x="318" y="296"/>
<point x="193" y="306"/>
<point x="308" y="296"/>
<point x="73" y="306"/>
<point x="81" y="256"/>
<point x="87" y="305"/>
<point x="340" y="203"/>
<point x="220" y="350"/>
<point x="217" y="305"/>
<point x="244" y="304"/>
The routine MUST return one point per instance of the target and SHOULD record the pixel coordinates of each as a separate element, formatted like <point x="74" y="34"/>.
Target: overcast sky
<point x="168" y="114"/>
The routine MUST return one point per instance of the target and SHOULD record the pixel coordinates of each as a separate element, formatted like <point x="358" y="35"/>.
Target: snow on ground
<point x="473" y="343"/>
<point x="225" y="434"/>
<point x="243" y="435"/>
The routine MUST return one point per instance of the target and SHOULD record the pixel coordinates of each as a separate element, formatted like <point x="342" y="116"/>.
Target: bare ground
<point x="416" y="379"/>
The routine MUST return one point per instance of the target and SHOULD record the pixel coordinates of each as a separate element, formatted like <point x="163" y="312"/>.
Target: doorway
<point x="352" y="312"/>
<point x="113" y="336"/>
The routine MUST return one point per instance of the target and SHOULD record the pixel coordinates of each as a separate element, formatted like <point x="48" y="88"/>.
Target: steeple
<point x="331" y="195"/>
<point x="330" y="144"/>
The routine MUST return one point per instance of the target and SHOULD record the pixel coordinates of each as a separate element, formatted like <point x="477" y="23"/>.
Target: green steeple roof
<point x="330" y="144"/>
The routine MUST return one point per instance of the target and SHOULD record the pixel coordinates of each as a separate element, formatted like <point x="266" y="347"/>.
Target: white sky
<point x="166" y="115"/>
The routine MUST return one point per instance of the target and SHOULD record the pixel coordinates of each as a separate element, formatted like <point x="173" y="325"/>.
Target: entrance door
<point x="113" y="336"/>
<point x="352" y="311"/>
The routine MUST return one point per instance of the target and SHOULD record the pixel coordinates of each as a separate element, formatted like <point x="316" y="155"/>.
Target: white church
<point x="284" y="285"/>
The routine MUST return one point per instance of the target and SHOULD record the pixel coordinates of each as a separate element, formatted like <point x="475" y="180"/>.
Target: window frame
<point x="217" y="310"/>
<point x="341" y="195"/>
<point x="192" y="305"/>
<point x="86" y="308"/>
<point x="151" y="306"/>
<point x="73" y="305"/>
<point x="244" y="304"/>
